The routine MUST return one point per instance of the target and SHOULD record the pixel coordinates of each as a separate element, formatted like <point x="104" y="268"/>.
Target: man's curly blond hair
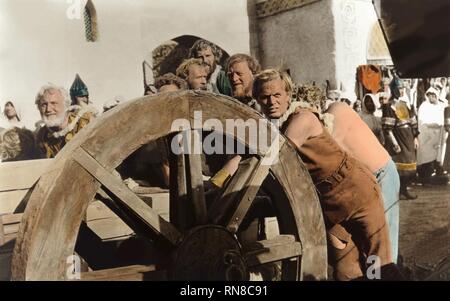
<point x="183" y="69"/>
<point x="18" y="144"/>
<point x="170" y="79"/>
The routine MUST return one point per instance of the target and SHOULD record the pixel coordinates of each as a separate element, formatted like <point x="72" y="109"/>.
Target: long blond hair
<point x="269" y="75"/>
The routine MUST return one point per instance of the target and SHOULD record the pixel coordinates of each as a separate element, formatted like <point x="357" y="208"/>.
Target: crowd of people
<point x="359" y="161"/>
<point x="414" y="132"/>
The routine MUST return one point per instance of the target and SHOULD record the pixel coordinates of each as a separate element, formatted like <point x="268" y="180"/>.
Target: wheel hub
<point x="209" y="253"/>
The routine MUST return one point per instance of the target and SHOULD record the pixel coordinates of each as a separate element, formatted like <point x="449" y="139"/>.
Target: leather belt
<point x="337" y="177"/>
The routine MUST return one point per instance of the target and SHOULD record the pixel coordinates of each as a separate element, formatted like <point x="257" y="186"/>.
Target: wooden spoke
<point x="220" y="209"/>
<point x="196" y="190"/>
<point x="279" y="248"/>
<point x="128" y="273"/>
<point x="127" y="198"/>
<point x="179" y="206"/>
<point x="186" y="183"/>
<point x="248" y="194"/>
<point x="253" y="184"/>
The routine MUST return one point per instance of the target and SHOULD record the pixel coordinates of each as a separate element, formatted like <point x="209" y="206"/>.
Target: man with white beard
<point x="61" y="122"/>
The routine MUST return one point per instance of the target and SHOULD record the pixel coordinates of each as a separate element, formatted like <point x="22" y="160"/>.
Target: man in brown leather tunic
<point x="349" y="194"/>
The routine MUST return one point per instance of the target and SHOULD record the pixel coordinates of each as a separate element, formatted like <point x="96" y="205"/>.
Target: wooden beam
<point x="14" y="218"/>
<point x="159" y="202"/>
<point x="279" y="248"/>
<point x="110" y="228"/>
<point x="128" y="273"/>
<point x="100" y="219"/>
<point x="149" y="190"/>
<point x="22" y="174"/>
<point x="9" y="200"/>
<point x="9" y="227"/>
<point x="127" y="197"/>
<point x="105" y="223"/>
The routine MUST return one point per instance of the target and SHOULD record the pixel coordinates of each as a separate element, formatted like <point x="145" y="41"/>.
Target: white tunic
<point x="431" y="121"/>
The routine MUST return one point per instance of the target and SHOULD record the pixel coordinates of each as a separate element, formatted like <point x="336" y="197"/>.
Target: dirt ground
<point x="424" y="244"/>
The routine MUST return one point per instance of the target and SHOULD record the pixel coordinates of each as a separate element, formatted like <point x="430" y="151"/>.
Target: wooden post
<point x="179" y="208"/>
<point x="196" y="191"/>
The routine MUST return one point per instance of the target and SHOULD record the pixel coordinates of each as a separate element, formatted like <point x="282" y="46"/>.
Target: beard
<point x="240" y="92"/>
<point x="210" y="69"/>
<point x="56" y="121"/>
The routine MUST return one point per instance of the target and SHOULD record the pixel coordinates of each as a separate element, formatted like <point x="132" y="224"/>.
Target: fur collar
<point x="75" y="112"/>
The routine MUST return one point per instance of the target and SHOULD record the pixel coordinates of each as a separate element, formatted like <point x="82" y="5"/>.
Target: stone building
<point x="113" y="43"/>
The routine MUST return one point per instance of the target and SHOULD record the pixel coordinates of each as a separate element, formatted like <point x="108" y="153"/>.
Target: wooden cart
<point x="80" y="207"/>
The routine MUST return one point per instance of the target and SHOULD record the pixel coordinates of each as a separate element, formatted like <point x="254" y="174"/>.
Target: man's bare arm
<point x="226" y="172"/>
<point x="303" y="126"/>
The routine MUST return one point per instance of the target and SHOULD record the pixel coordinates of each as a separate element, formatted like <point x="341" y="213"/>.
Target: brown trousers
<point x="354" y="213"/>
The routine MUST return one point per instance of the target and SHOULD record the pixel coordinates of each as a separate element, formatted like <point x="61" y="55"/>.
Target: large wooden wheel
<point x="55" y="210"/>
